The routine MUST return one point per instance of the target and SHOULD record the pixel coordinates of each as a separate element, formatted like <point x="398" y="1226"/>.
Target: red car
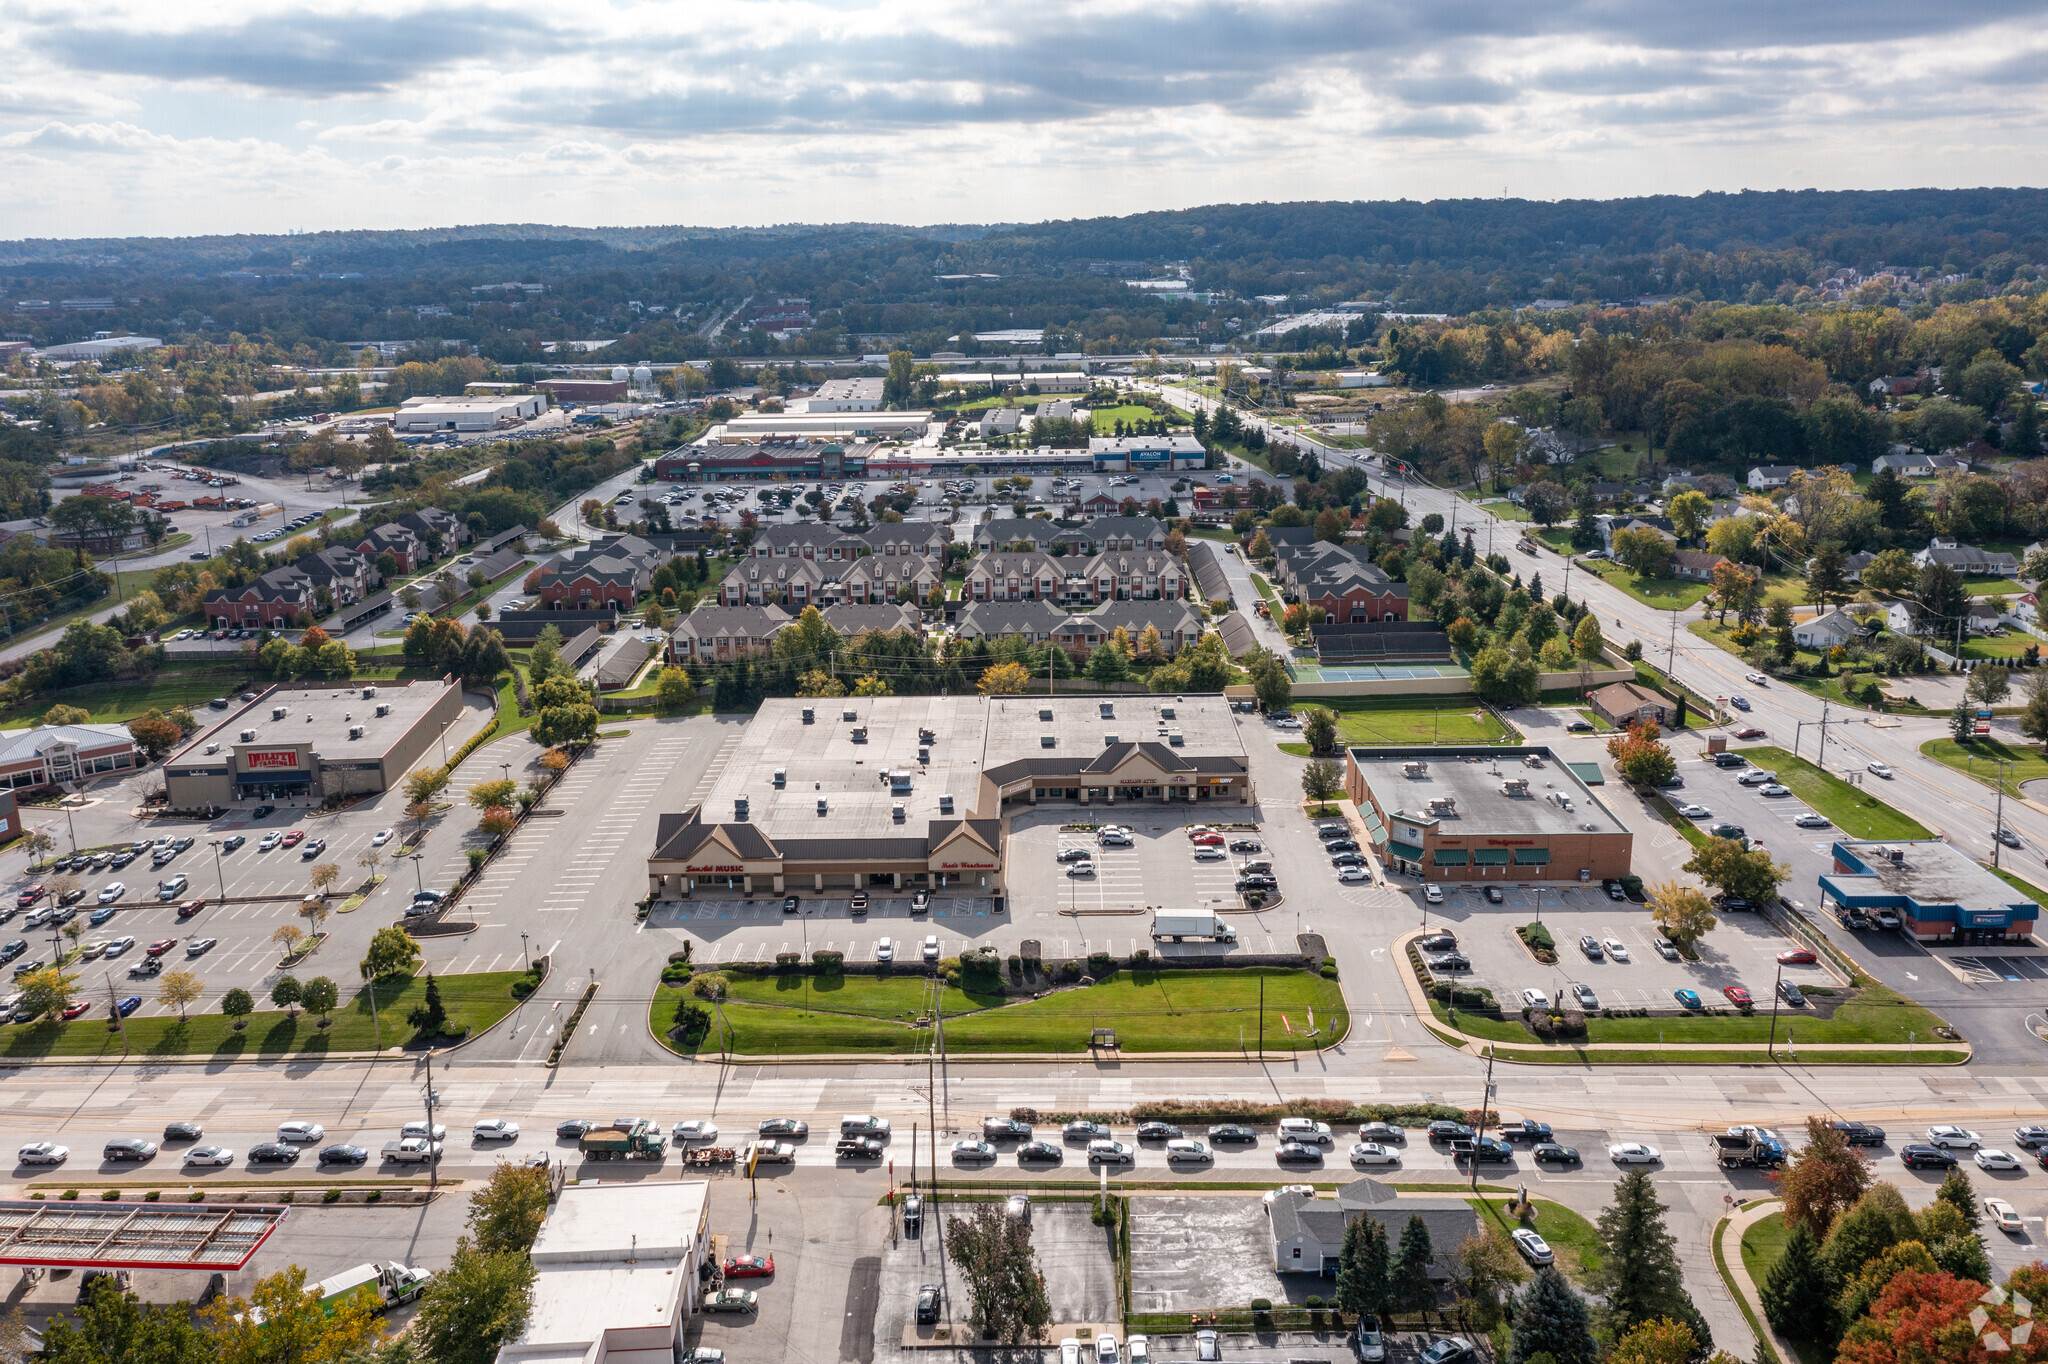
<point x="1737" y="996"/>
<point x="1798" y="956"/>
<point x="190" y="907"/>
<point x="160" y="946"/>
<point x="291" y="840"/>
<point x="1211" y="839"/>
<point x="750" y="1267"/>
<point x="30" y="896"/>
<point x="76" y="1009"/>
<point x="1749" y="732"/>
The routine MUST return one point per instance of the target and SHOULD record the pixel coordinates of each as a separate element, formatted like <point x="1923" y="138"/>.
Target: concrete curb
<point x="1737" y="1273"/>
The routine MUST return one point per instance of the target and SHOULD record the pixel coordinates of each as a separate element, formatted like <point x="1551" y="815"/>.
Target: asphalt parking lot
<point x="1161" y="870"/>
<point x="1741" y="951"/>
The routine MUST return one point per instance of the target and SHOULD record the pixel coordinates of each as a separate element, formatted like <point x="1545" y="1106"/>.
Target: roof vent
<point x="945" y="805"/>
<point x="821" y="805"/>
<point x="924" y="755"/>
<point x="248" y="736"/>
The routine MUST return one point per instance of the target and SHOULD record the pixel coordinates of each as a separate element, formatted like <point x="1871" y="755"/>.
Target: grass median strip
<point x="1857" y="811"/>
<point x="1874" y="1015"/>
<point x="475" y="1001"/>
<point x="1980" y="758"/>
<point x="1152" y="1011"/>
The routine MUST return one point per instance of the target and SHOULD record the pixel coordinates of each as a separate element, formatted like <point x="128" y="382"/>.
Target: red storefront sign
<point x="285" y="759"/>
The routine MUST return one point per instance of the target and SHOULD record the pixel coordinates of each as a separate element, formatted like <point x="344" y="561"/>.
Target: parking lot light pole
<point x="527" y="950"/>
<point x="418" y="882"/>
<point x="1771" y="1049"/>
<point x="217" y="868"/>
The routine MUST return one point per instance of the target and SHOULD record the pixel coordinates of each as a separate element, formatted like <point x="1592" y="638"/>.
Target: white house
<point x="1905" y="463"/>
<point x="1967" y="559"/>
<point x="1766" y="476"/>
<point x="1825" y="632"/>
<point x="1899" y="618"/>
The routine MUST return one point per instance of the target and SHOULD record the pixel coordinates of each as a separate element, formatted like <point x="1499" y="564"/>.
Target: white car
<point x="1301" y="1190"/>
<point x="112" y="893"/>
<point x="1433" y="895"/>
<point x="1810" y="820"/>
<point x="1182" y="1148"/>
<point x="1756" y="679"/>
<point x="2004" y="1214"/>
<point x="269" y="841"/>
<point x="300" y="1131"/>
<point x="1881" y="770"/>
<point x="931" y="947"/>
<point x="1352" y="874"/>
<point x="1953" y="1136"/>
<point x="1534" y="1248"/>
<point x="1634" y="1153"/>
<point x="495" y="1129"/>
<point x="885" y="949"/>
<point x="118" y="946"/>
<point x="42" y="1153"/>
<point x="695" y="1130"/>
<point x="1535" y="999"/>
<point x="1305" y="1129"/>
<point x="1616" y="948"/>
<point x="1996" y="1160"/>
<point x="209" y="1155"/>
<point x="1695" y="812"/>
<point x="1106" y="1351"/>
<point x="380" y="838"/>
<point x="1137" y="1349"/>
<point x="1372" y="1153"/>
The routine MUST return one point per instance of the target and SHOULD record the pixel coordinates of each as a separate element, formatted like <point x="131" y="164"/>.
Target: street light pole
<point x="526" y="950"/>
<point x="418" y="882"/>
<point x="217" y="868"/>
<point x="1771" y="1049"/>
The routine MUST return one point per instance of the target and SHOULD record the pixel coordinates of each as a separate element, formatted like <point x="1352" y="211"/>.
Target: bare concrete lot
<point x="1073" y="1254"/>
<point x="1196" y="1254"/>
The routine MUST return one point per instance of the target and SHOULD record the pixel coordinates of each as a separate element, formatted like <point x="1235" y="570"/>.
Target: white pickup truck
<point x="412" y="1151"/>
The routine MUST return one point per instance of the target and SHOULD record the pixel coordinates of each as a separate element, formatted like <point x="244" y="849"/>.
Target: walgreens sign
<point x="271" y="760"/>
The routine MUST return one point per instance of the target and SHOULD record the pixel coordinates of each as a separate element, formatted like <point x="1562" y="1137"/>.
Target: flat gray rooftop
<point x="1081" y="730"/>
<point x="320" y="716"/>
<point x="1557" y="802"/>
<point x="822" y="759"/>
<point x="1933" y="873"/>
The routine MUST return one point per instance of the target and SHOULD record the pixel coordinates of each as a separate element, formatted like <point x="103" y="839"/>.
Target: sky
<point x="173" y="118"/>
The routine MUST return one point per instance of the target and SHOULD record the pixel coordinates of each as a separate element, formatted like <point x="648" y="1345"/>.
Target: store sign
<point x="275" y="759"/>
<point x="967" y="866"/>
<point x="716" y="871"/>
<point x="1510" y="842"/>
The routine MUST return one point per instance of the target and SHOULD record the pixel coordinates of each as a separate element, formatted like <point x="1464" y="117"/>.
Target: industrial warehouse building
<point x="312" y="744"/>
<point x="1940" y="894"/>
<point x="910" y="792"/>
<point x="1485" y="814"/>
<point x="467" y="414"/>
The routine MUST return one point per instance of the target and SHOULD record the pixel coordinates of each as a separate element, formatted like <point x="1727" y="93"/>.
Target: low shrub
<point x="68" y="1196"/>
<point x="1536" y="935"/>
<point x="1067" y="972"/>
<point x="677" y="973"/>
<point x="1262" y="1304"/>
<point x="331" y="1196"/>
<point x="827" y="962"/>
<point x="153" y="1195"/>
<point x="111" y="1196"/>
<point x="788" y="961"/>
<point x="1100" y="964"/>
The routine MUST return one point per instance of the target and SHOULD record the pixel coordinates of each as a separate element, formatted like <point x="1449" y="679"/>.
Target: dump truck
<point x="1175" y="927"/>
<point x="626" y="1139"/>
<point x="412" y="1151"/>
<point x="1734" y="1150"/>
<point x="379" y="1286"/>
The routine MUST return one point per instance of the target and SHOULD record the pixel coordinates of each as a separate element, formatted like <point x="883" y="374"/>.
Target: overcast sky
<point x="168" y="117"/>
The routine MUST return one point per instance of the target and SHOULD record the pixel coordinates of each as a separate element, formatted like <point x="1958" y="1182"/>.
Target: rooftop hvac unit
<point x="1045" y="712"/>
<point x="212" y="749"/>
<point x="924" y="755"/>
<point x="1109" y="710"/>
<point x="279" y="712"/>
<point x="821" y="805"/>
<point x="1047" y="741"/>
<point x="740" y="809"/>
<point x="382" y="710"/>
<point x="355" y="731"/>
<point x="1897" y="855"/>
<point x="848" y="715"/>
<point x="369" y="692"/>
<point x="1415" y="769"/>
<point x="1109" y="741"/>
<point x="896" y="813"/>
<point x="1514" y="786"/>
<point x="860" y="735"/>
<point x="1166" y="712"/>
<point x="1174" y="739"/>
<point x="810" y="716"/>
<point x="927" y="736"/>
<point x="945" y="805"/>
<point x="781" y="778"/>
<point x="248" y="736"/>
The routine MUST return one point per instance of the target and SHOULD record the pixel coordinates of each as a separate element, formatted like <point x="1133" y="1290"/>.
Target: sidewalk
<point x="1728" y="1234"/>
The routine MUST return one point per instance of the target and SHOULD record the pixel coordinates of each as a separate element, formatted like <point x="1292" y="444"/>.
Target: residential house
<point x="1610" y="492"/>
<point x="1967" y="559"/>
<point x="275" y="600"/>
<point x="1308" y="1232"/>
<point x="402" y="544"/>
<point x="1004" y="532"/>
<point x="1824" y="632"/>
<point x="1124" y="575"/>
<point x="1622" y="704"/>
<point x="794" y="583"/>
<point x="1179" y="623"/>
<point x="719" y="634"/>
<point x="1764" y="477"/>
<point x="347" y="574"/>
<point x="1349" y="587"/>
<point x="874" y="578"/>
<point x="1899" y="618"/>
<point x="431" y="522"/>
<point x="1019" y="576"/>
<point x="907" y="539"/>
<point x="1695" y="565"/>
<point x="1101" y="504"/>
<point x="1904" y="463"/>
<point x="613" y="571"/>
<point x="1106" y="533"/>
<point x="1033" y="621"/>
<point x="1610" y="525"/>
<point x="809" y="540"/>
<point x="854" y="618"/>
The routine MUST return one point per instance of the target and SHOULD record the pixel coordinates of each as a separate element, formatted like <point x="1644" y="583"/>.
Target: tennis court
<point x="1373" y="672"/>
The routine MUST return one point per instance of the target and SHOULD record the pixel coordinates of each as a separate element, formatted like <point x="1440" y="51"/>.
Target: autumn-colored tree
<point x="1824" y="1180"/>
<point x="1662" y="1341"/>
<point x="1923" y="1318"/>
<point x="1004" y="677"/>
<point x="1640" y="758"/>
<point x="496" y="821"/>
<point x="1681" y="911"/>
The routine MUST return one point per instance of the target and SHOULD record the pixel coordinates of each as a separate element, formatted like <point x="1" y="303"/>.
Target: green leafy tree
<point x="393" y="952"/>
<point x="1878" y="1221"/>
<point x="1488" y="1268"/>
<point x="1319" y="728"/>
<point x="1640" y="758"/>
<point x="1644" y="550"/>
<point x="1798" y="1292"/>
<point x="1823" y="1180"/>
<point x="1364" y="1267"/>
<point x="237" y="1004"/>
<point x="115" y="1327"/>
<point x="45" y="992"/>
<point x="505" y="1215"/>
<point x="1108" y="664"/>
<point x="474" y="1306"/>
<point x="1958" y="1193"/>
<point x="1551" y="1320"/>
<point x="1825" y="580"/>
<point x="287" y="993"/>
<point x="1587" y="642"/>
<point x="1989" y="684"/>
<point x="320" y="996"/>
<point x="1005" y="1290"/>
<point x="1321" y="781"/>
<point x="1270" y="681"/>
<point x="1638" y="1276"/>
<point x="673" y="688"/>
<point x="1750" y="875"/>
<point x="281" y="1323"/>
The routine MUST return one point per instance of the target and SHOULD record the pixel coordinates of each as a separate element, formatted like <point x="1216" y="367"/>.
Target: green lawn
<point x="114" y="702"/>
<point x="1839" y="688"/>
<point x="1980" y="758"/>
<point x="1665" y="594"/>
<point x="1858" y="811"/>
<point x="2032" y="892"/>
<point x="1152" y="1011"/>
<point x="1875" y="1014"/>
<point x="1993" y="587"/>
<point x="1762" y="1245"/>
<point x="1383" y="720"/>
<point x="1265" y="588"/>
<point x="477" y="1000"/>
<point x="1106" y="418"/>
<point x="1574" y="1240"/>
<point x="2013" y="645"/>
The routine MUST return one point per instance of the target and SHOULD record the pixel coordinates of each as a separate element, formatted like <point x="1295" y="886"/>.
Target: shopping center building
<point x="1941" y="895"/>
<point x="910" y="792"/>
<point x="1485" y="814"/>
<point x="312" y="743"/>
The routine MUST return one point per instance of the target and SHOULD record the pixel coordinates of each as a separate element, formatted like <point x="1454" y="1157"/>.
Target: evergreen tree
<point x="1413" y="1290"/>
<point x="1551" y="1319"/>
<point x="1956" y="1189"/>
<point x="1798" y="1292"/>
<point x="1638" y="1273"/>
<point x="1364" y="1267"/>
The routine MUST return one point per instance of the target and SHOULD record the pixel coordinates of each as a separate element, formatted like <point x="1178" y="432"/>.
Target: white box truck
<point x="1175" y="927"/>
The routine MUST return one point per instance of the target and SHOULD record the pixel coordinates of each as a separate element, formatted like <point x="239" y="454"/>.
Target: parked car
<point x="1533" y="1248"/>
<point x="1634" y="1153"/>
<point x="1920" y="1155"/>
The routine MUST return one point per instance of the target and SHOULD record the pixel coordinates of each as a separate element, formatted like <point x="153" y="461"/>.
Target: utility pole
<point x="433" y="1157"/>
<point x="1771" y="1048"/>
<point x="114" y="1007"/>
<point x="1998" y="820"/>
<point x="1485" y="1100"/>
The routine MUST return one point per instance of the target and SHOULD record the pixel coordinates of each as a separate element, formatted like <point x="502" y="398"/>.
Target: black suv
<point x="1443" y="1129"/>
<point x="1920" y="1154"/>
<point x="1863" y="1134"/>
